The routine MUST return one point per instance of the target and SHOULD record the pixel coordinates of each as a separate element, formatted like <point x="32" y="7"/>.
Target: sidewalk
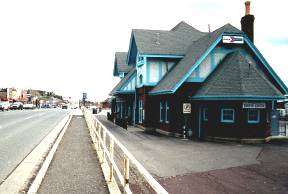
<point x="75" y="167"/>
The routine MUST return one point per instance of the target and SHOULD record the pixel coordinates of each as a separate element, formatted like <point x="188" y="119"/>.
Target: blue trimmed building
<point x="229" y="87"/>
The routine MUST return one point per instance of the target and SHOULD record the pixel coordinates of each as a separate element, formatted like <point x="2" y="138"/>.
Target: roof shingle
<point x="193" y="53"/>
<point x="173" y="42"/>
<point x="235" y="76"/>
<point x="121" y="63"/>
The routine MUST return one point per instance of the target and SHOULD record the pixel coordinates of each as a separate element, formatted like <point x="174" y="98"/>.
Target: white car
<point x="4" y="106"/>
<point x="29" y="106"/>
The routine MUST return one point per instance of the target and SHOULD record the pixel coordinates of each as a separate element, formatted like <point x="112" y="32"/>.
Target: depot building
<point x="216" y="84"/>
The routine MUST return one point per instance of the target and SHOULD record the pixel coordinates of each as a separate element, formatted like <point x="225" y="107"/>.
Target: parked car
<point x="65" y="106"/>
<point x="4" y="106"/>
<point x="29" y="106"/>
<point x="16" y="106"/>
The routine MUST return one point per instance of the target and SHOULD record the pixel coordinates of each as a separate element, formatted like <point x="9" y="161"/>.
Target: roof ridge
<point x="150" y="30"/>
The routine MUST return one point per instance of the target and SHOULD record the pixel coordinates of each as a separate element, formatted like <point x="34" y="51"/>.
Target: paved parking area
<point x="270" y="175"/>
<point x="206" y="167"/>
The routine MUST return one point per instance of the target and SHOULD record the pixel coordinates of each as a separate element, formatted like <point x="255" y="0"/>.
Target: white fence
<point x="105" y="145"/>
<point x="283" y="128"/>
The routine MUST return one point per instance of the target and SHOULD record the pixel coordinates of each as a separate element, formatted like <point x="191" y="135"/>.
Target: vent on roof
<point x="157" y="41"/>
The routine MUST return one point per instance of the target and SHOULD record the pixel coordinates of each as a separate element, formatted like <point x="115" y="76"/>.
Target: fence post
<point x="126" y="172"/>
<point x="104" y="144"/>
<point x="112" y="159"/>
<point x="99" y="145"/>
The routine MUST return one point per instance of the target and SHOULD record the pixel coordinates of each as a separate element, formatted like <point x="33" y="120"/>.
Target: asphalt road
<point x="21" y="131"/>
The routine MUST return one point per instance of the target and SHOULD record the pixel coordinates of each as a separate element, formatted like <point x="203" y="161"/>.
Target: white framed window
<point x="253" y="116"/>
<point x="167" y="111"/>
<point x="227" y="115"/>
<point x="205" y="114"/>
<point x="140" y="111"/>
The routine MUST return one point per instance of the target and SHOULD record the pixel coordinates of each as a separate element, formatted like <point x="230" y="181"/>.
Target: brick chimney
<point x="247" y="22"/>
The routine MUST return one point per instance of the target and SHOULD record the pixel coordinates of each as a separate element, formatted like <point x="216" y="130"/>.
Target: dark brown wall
<point x="214" y="127"/>
<point x="240" y="128"/>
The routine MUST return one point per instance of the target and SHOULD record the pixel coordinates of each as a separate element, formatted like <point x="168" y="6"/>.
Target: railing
<point x="283" y="128"/>
<point x="106" y="144"/>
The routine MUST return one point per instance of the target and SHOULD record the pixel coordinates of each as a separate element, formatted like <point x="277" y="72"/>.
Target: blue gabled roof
<point x="119" y="86"/>
<point x="196" y="53"/>
<point x="120" y="63"/>
<point x="162" y="42"/>
<point x="235" y="76"/>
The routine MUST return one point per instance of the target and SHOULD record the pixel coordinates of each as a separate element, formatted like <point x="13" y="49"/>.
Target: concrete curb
<point x="273" y="139"/>
<point x="236" y="140"/>
<point x="20" y="179"/>
<point x="170" y="134"/>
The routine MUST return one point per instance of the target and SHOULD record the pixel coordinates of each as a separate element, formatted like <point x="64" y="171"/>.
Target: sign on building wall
<point x="254" y="105"/>
<point x="233" y="39"/>
<point x="186" y="108"/>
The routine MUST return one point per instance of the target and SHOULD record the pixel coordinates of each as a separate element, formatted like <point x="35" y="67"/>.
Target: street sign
<point x="84" y="96"/>
<point x="233" y="39"/>
<point x="186" y="108"/>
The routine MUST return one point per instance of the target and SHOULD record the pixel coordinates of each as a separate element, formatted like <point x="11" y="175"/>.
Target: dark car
<point x="16" y="106"/>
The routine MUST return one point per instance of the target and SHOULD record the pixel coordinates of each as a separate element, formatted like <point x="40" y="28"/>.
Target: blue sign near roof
<point x="233" y="39"/>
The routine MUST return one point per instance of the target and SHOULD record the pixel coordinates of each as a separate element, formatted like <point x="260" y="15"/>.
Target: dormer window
<point x="140" y="61"/>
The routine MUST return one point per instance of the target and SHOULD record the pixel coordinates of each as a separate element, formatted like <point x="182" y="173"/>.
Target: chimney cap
<point x="247" y="7"/>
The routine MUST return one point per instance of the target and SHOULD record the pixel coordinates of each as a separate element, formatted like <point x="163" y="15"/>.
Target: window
<point x="128" y="111"/>
<point x="166" y="112"/>
<point x="141" y="79"/>
<point x="205" y="114"/>
<point x="140" y="58"/>
<point x="268" y="116"/>
<point x="160" y="112"/>
<point x="227" y="115"/>
<point x="253" y="116"/>
<point x="121" y="110"/>
<point x="140" y="111"/>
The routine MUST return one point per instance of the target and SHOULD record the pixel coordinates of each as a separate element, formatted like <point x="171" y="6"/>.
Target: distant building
<point x="106" y="103"/>
<point x="13" y="94"/>
<point x="217" y="83"/>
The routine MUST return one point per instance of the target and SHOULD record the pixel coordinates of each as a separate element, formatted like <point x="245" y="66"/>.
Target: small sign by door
<point x="186" y="108"/>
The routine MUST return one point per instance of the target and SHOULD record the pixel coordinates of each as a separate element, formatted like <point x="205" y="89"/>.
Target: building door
<point x="275" y="122"/>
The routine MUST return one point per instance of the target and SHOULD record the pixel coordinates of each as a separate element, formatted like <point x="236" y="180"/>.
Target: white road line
<point x="28" y="118"/>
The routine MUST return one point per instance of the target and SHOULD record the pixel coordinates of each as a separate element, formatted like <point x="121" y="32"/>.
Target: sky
<point x="68" y="46"/>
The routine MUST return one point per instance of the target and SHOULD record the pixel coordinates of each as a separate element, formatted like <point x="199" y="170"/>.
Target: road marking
<point x="28" y="118"/>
